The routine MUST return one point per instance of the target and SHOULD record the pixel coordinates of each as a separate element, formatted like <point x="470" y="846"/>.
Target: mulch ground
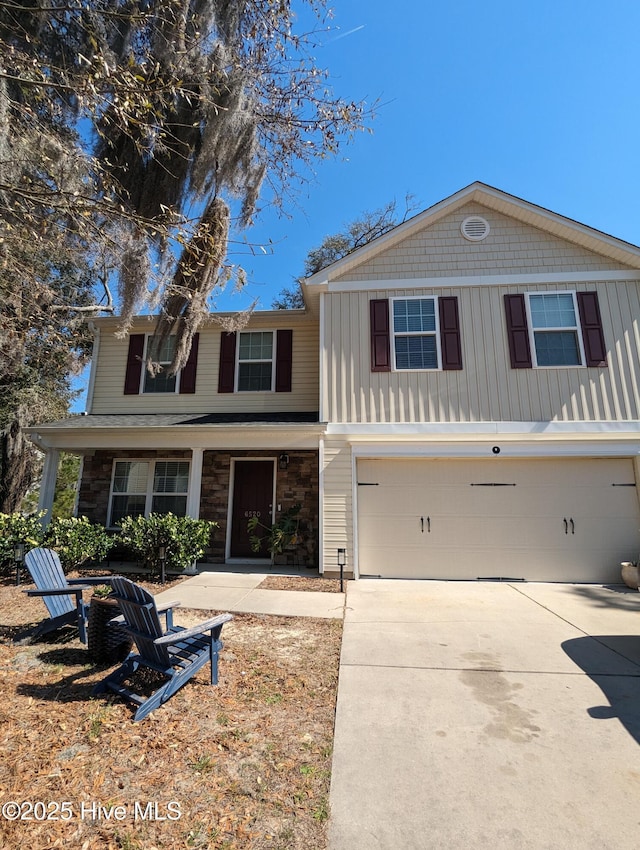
<point x="245" y="764"/>
<point x="323" y="585"/>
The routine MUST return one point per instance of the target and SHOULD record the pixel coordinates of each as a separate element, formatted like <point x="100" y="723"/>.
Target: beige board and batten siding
<point x="486" y="389"/>
<point x="110" y="373"/>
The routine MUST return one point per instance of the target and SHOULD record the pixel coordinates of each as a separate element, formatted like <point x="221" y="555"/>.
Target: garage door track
<point x="481" y="714"/>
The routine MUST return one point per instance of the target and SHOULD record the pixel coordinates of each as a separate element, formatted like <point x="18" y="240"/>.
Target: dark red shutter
<point x="594" y="348"/>
<point x="450" y="343"/>
<point x="190" y="369"/>
<point x="227" y="371"/>
<point x="517" y="332"/>
<point x="284" y="361"/>
<point x="134" y="364"/>
<point x="380" y="346"/>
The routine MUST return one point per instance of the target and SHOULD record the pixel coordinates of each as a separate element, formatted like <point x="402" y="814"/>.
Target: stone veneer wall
<point x="297" y="484"/>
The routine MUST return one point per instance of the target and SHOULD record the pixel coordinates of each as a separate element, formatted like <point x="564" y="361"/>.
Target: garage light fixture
<point x="283" y="461"/>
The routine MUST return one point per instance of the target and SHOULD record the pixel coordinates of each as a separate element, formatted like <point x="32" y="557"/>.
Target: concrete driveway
<point x="495" y="715"/>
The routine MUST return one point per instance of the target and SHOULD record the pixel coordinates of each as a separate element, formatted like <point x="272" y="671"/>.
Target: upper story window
<point x="421" y="333"/>
<point x="137" y="379"/>
<point x="555" y="329"/>
<point x="415" y="333"/>
<point x="552" y="329"/>
<point x="255" y="361"/>
<point x="141" y="487"/>
<point x="162" y="382"/>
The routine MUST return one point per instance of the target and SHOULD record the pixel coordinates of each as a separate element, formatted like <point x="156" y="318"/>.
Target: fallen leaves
<point x="304" y="583"/>
<point x="247" y="762"/>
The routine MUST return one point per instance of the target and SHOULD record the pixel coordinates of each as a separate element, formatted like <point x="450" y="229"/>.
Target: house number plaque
<point x="253" y="513"/>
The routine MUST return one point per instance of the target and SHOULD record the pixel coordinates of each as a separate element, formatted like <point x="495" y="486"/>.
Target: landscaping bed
<point x="308" y="583"/>
<point x="245" y="764"/>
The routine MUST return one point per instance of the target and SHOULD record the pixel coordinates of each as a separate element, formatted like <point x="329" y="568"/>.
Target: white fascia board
<point x="557" y="224"/>
<point x="463" y="430"/>
<point x="508" y="449"/>
<point x="216" y="321"/>
<point x="239" y="437"/>
<point x="484" y="280"/>
<point x="397" y="234"/>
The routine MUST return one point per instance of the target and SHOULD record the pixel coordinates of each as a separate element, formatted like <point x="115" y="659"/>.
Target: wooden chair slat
<point x="177" y="659"/>
<point x="66" y="608"/>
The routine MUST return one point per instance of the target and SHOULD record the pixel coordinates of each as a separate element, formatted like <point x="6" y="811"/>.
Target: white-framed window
<point x="141" y="487"/>
<point x="416" y="334"/>
<point x="163" y="382"/>
<point x="554" y="325"/>
<point x="256" y="361"/>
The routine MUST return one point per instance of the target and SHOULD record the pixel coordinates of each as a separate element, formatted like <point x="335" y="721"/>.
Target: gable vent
<point x="475" y="228"/>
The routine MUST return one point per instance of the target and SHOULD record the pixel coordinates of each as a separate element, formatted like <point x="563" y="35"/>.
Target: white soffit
<point x="214" y="438"/>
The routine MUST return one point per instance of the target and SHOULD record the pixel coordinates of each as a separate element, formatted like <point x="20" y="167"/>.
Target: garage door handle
<point x="566" y="526"/>
<point x="573" y="527"/>
<point x="428" y="524"/>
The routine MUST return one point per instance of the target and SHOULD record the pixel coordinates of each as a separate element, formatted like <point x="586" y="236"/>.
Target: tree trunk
<point x="18" y="465"/>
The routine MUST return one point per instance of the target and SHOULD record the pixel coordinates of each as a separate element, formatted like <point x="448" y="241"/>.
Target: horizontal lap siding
<point x="337" y="504"/>
<point x="109" y="381"/>
<point x="487" y="389"/>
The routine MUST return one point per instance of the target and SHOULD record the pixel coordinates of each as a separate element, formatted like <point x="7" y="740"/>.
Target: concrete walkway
<point x="238" y="592"/>
<point x="487" y="715"/>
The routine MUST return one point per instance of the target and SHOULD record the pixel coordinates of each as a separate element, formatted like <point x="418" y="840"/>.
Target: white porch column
<point x="48" y="484"/>
<point x="195" y="483"/>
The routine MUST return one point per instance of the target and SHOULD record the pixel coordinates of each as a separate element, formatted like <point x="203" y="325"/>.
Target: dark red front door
<point x="252" y="496"/>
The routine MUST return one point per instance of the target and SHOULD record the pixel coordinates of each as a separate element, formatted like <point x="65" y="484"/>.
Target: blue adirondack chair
<point x="176" y="652"/>
<point x="62" y="596"/>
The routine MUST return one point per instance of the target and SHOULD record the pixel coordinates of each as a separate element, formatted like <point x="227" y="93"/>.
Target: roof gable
<point x="561" y="243"/>
<point x="511" y="247"/>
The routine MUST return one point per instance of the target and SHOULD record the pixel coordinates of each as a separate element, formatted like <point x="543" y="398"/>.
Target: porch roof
<point x="172" y="420"/>
<point x="179" y="430"/>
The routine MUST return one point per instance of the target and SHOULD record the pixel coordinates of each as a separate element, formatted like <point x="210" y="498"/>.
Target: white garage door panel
<point x="557" y="520"/>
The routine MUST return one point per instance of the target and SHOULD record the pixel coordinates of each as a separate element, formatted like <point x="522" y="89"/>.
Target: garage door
<point x="540" y="520"/>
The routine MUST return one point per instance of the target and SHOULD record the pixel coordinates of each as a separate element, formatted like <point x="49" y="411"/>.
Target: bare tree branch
<point x="118" y="120"/>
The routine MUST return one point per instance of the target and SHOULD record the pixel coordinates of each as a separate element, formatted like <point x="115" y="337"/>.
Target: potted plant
<point x="629" y="572"/>
<point x="278" y="536"/>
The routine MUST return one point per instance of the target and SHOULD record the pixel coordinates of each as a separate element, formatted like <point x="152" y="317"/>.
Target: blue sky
<point x="537" y="99"/>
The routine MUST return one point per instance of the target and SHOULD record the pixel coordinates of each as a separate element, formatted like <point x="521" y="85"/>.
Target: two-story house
<point x="459" y="399"/>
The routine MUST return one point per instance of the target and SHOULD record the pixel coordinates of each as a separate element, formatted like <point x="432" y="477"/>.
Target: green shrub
<point x="17" y="528"/>
<point x="184" y="538"/>
<point x="76" y="540"/>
